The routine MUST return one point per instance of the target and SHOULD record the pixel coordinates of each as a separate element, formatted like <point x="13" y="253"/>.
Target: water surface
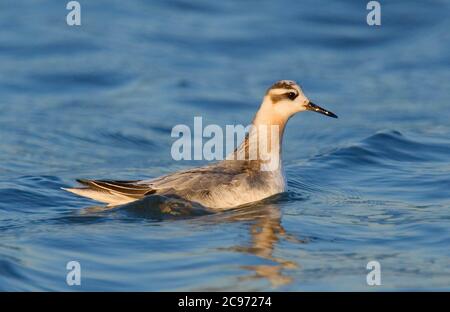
<point x="100" y="100"/>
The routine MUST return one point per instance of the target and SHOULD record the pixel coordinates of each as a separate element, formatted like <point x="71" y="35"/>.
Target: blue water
<point x="100" y="100"/>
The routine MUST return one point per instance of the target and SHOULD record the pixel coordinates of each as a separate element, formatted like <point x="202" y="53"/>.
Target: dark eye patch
<point x="291" y="95"/>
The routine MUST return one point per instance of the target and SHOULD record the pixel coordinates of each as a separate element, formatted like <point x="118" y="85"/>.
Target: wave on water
<point x="383" y="149"/>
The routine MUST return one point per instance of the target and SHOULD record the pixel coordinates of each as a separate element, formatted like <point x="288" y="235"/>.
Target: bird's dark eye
<point x="292" y="95"/>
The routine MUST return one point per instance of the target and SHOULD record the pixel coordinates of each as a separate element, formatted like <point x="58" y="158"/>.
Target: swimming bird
<point x="237" y="180"/>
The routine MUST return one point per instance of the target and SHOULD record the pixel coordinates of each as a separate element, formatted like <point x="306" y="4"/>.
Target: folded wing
<point x="112" y="192"/>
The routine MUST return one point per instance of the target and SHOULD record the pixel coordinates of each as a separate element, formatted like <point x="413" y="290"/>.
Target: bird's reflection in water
<point x="156" y="207"/>
<point x="265" y="229"/>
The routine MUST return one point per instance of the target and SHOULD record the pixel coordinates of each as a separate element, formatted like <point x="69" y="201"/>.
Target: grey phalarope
<point x="229" y="183"/>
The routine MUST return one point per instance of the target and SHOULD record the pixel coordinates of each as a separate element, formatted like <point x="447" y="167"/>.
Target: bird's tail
<point x="111" y="192"/>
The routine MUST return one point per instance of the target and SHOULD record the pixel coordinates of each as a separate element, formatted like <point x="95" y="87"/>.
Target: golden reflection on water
<point x="265" y="232"/>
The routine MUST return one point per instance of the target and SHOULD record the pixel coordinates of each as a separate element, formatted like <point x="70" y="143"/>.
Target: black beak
<point x="316" y="108"/>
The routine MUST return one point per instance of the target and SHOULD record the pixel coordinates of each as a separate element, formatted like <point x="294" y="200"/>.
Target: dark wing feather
<point x="127" y="188"/>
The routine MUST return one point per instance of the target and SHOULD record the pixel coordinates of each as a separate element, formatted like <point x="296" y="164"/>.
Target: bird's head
<point x="285" y="98"/>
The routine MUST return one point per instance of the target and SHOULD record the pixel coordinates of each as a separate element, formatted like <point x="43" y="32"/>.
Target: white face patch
<point x="281" y="91"/>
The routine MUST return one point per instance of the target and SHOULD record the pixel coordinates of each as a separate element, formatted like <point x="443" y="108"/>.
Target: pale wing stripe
<point x="98" y="184"/>
<point x="136" y="188"/>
